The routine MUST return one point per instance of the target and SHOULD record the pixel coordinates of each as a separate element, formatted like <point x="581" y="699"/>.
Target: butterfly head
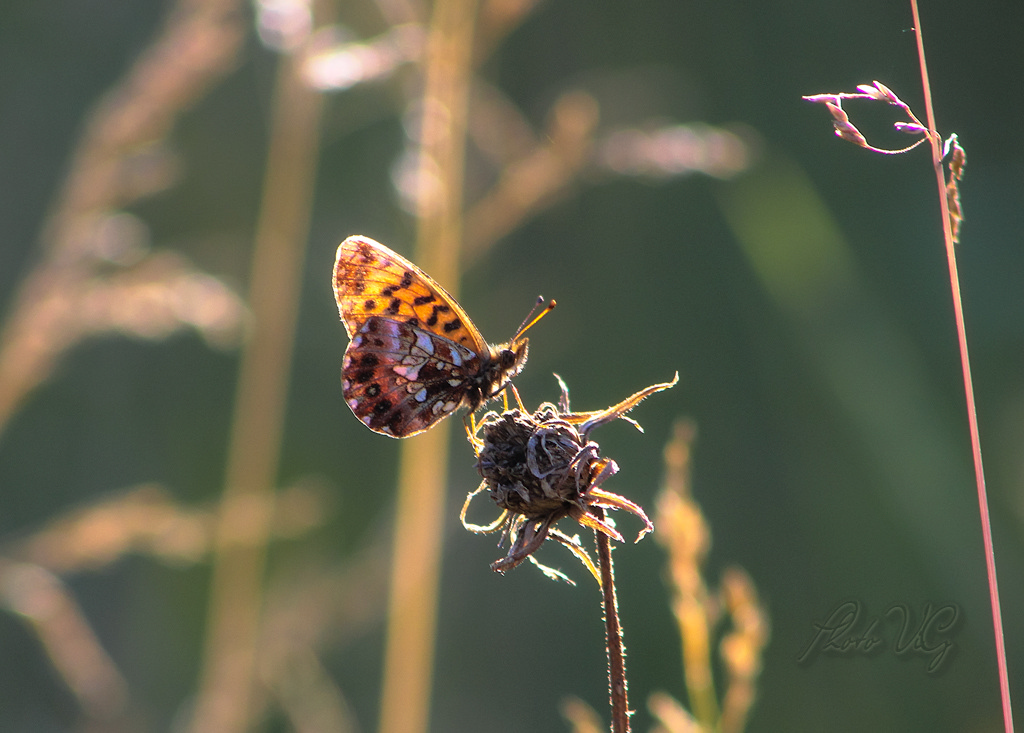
<point x="506" y="360"/>
<point x="511" y="358"/>
<point x="504" y="363"/>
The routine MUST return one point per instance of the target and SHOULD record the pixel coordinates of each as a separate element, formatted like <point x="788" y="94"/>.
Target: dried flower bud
<point x="956" y="213"/>
<point x="820" y="98"/>
<point x="911" y="128"/>
<point x="844" y="128"/>
<point x="887" y="93"/>
<point x="870" y="90"/>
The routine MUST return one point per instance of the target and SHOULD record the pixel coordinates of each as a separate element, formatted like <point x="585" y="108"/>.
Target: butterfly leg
<point x="515" y="393"/>
<point x="481" y="528"/>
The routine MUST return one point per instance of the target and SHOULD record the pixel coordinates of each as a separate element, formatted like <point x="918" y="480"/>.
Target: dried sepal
<point x="480" y="528"/>
<point x="551" y="572"/>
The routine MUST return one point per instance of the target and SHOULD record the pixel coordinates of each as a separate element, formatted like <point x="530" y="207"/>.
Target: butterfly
<point x="414" y="356"/>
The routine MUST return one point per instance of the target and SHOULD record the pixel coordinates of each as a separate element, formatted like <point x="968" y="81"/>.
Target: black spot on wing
<point x="394" y="423"/>
<point x="362" y="376"/>
<point x="435" y="314"/>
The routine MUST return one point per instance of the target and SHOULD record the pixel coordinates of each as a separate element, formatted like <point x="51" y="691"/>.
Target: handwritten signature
<point x="847" y="630"/>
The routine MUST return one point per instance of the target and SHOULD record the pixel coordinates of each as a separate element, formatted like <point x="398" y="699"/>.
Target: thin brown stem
<point x="972" y="416"/>
<point x="617" y="686"/>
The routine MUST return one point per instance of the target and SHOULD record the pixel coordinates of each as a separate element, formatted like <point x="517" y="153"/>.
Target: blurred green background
<point x="804" y="303"/>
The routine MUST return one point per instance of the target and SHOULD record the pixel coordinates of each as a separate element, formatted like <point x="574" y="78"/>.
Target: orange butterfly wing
<point x="372" y="280"/>
<point x="414" y="355"/>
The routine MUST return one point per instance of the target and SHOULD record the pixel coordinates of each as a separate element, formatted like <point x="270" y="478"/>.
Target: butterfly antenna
<point x="527" y="323"/>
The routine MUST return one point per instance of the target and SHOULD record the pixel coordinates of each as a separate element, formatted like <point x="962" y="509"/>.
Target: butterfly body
<point x="414" y="355"/>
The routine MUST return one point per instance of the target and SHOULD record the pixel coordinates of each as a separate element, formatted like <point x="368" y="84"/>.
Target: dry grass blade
<point x="530" y="184"/>
<point x="583" y="718"/>
<point x="699" y="612"/>
<point x="117" y="161"/>
<point x="70" y="643"/>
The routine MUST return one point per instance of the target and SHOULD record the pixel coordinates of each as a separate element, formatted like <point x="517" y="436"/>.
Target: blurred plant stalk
<point x="700" y="612"/>
<point x="225" y="701"/>
<point x="423" y="466"/>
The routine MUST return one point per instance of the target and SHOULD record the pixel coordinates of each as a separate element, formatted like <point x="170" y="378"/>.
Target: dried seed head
<point x="878" y="92"/>
<point x="534" y="465"/>
<point x="543" y="467"/>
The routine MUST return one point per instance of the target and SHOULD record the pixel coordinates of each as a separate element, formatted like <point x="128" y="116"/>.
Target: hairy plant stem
<point x="617" y="686"/>
<point x="972" y="415"/>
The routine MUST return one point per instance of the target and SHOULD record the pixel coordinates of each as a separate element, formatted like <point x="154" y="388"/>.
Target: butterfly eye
<point x="506" y="359"/>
